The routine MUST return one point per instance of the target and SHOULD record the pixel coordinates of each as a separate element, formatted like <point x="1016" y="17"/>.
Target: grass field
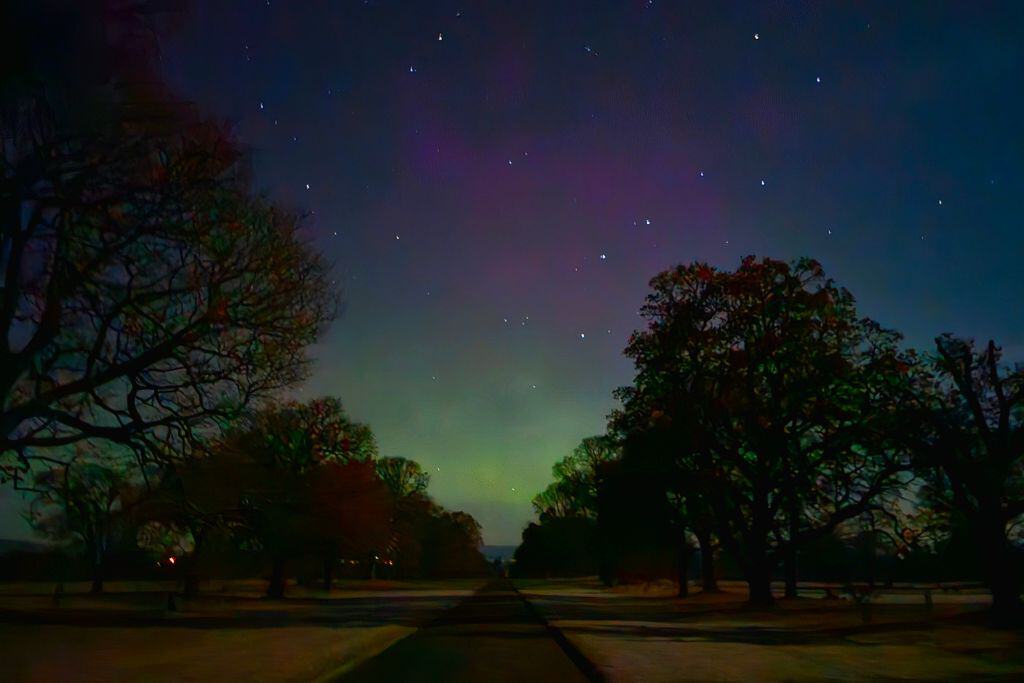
<point x="229" y="633"/>
<point x="642" y="633"/>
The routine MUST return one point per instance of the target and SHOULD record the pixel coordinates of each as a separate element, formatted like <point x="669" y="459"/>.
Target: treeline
<point x="154" y="310"/>
<point x="297" y="490"/>
<point x="771" y="426"/>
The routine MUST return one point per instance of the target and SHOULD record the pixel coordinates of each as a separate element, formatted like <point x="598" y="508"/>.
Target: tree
<point x="349" y="512"/>
<point x="403" y="477"/>
<point x="575" y="489"/>
<point x="971" y="451"/>
<point x="784" y="402"/>
<point x="307" y="483"/>
<point x="147" y="294"/>
<point x="90" y="501"/>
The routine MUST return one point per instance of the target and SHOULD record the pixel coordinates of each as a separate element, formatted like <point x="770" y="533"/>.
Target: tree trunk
<point x="1002" y="571"/>
<point x="759" y="582"/>
<point x="97" y="578"/>
<point x="709" y="583"/>
<point x="791" y="571"/>
<point x="276" y="587"/>
<point x="790" y="559"/>
<point x="682" y="567"/>
<point x="190" y="565"/>
<point x="760" y="563"/>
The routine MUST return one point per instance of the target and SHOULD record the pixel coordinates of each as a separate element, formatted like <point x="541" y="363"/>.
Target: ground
<point x="228" y="634"/>
<point x="642" y="633"/>
<point x="451" y="631"/>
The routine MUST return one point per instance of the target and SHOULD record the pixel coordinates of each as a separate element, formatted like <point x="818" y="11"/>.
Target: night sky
<point x="497" y="182"/>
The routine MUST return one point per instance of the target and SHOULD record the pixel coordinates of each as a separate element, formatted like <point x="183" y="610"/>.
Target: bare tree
<point x="145" y="292"/>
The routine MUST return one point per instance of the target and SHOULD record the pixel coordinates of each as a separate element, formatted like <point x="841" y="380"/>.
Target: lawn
<point x="228" y="633"/>
<point x="643" y="633"/>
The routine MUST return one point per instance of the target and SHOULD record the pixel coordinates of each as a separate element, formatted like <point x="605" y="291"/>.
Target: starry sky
<point x="496" y="182"/>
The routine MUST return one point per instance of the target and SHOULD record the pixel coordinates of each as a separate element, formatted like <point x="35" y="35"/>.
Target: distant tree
<point x="971" y="452"/>
<point x="575" y="489"/>
<point x="298" y="479"/>
<point x="349" y="512"/>
<point x="558" y="546"/>
<point x="91" y="502"/>
<point x="451" y="546"/>
<point x="147" y="294"/>
<point x="638" y="532"/>
<point x="403" y="477"/>
<point x="783" y="399"/>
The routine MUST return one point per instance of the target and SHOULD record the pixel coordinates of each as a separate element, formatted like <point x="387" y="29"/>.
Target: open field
<point x="228" y="633"/>
<point x="642" y="633"/>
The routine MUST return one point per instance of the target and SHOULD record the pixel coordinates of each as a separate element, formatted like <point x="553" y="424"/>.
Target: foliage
<point x="148" y="295"/>
<point x="403" y="477"/>
<point x="970" y="452"/>
<point x="575" y="489"/>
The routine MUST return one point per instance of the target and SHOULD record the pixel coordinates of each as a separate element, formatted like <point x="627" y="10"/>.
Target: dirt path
<point x="492" y="636"/>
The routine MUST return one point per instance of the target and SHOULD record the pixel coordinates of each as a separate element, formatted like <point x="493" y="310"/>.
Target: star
<point x="412" y="69"/>
<point x="762" y="182"/>
<point x="702" y="174"/>
<point x="604" y="257"/>
<point x="583" y="335"/>
<point x="817" y="79"/>
<point x="440" y="37"/>
<point x="757" y="36"/>
<point x="307" y="186"/>
<point x="261" y="106"/>
<point x="397" y="237"/>
<point x="647" y="221"/>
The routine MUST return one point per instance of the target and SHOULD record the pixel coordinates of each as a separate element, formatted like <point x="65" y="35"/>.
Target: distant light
<point x="762" y="182"/>
<point x="604" y="257"/>
<point x="440" y="37"/>
<point x="647" y="221"/>
<point x="307" y="186"/>
<point x="171" y="560"/>
<point x="757" y="36"/>
<point x="817" y="79"/>
<point x="583" y="335"/>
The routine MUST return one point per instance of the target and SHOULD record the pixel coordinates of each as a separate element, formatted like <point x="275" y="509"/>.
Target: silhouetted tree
<point x="91" y="501"/>
<point x="784" y="398"/>
<point x="972" y="454"/>
<point x="146" y="293"/>
<point x="403" y="477"/>
<point x="637" y="531"/>
<point x="558" y="546"/>
<point x="298" y="485"/>
<point x="349" y="512"/>
<point x="574" y="491"/>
